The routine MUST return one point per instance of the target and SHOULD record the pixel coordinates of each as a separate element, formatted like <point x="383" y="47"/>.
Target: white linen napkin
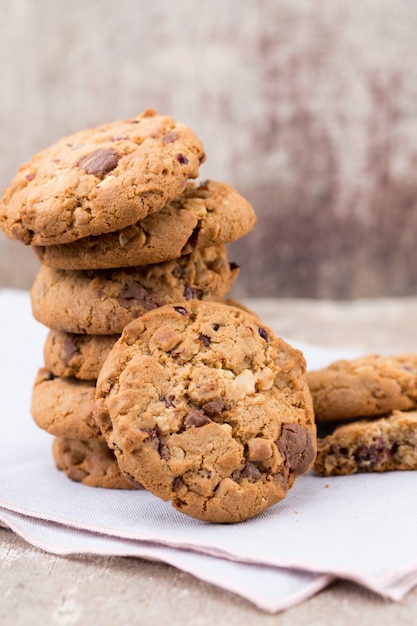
<point x="359" y="527"/>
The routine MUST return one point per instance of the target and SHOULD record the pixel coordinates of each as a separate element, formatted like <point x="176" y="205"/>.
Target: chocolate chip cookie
<point x="206" y="408"/>
<point x="75" y="355"/>
<point x="378" y="445"/>
<point x="205" y="215"/>
<point x="102" y="302"/>
<point x="89" y="462"/>
<point x="64" y="407"/>
<point x="100" y="180"/>
<point x="367" y="386"/>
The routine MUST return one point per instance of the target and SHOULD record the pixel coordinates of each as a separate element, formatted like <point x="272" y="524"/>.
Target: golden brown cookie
<point x="75" y="355"/>
<point x="89" y="462"/>
<point x="207" y="409"/>
<point x="205" y="215"/>
<point x="378" y="445"/>
<point x="367" y="386"/>
<point x="64" y="407"/>
<point x="102" y="302"/>
<point x="100" y="180"/>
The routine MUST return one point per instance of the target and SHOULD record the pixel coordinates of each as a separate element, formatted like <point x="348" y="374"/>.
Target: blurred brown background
<point x="308" y="108"/>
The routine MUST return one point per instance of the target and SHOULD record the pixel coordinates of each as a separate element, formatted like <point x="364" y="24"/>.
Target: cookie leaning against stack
<point x="205" y="408"/>
<point x="366" y="414"/>
<point x="120" y="229"/>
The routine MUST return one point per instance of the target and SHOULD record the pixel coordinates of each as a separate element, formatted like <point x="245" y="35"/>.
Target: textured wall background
<point x="308" y="108"/>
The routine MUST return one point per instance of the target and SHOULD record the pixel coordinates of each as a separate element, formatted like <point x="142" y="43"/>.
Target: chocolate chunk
<point x="370" y="457"/>
<point x="71" y="348"/>
<point x="164" y="451"/>
<point x="178" y="484"/>
<point x="169" y="401"/>
<point x="135" y="291"/>
<point x="99" y="162"/>
<point x="214" y="407"/>
<point x="296" y="445"/>
<point x="170" y="137"/>
<point x="204" y="340"/>
<point x="251" y="472"/>
<point x="196" y="418"/>
<point x="190" y="293"/>
<point x="182" y="159"/>
<point x="263" y="333"/>
<point x="181" y="310"/>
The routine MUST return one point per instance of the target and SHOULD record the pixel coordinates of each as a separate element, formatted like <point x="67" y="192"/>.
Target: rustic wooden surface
<point x="40" y="588"/>
<point x="307" y="107"/>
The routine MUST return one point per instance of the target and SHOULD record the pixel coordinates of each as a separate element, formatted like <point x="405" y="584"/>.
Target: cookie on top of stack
<point x="366" y="414"/>
<point x="124" y="235"/>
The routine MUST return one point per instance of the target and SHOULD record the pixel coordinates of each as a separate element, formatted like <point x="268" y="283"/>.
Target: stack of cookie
<point x="119" y="229"/>
<point x="366" y="414"/>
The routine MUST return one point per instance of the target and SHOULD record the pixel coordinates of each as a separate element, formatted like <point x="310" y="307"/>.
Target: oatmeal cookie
<point x="368" y="386"/>
<point x="206" y="408"/>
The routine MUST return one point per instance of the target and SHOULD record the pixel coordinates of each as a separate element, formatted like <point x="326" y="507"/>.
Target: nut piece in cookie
<point x="206" y="408"/>
<point x="378" y="445"/>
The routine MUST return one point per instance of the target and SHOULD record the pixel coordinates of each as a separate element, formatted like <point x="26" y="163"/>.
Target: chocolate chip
<point x="196" y="419"/>
<point x="181" y="310"/>
<point x="100" y="162"/>
<point x="169" y="401"/>
<point x="178" y="484"/>
<point x="190" y="293"/>
<point x="134" y="291"/>
<point x="370" y="457"/>
<point x="263" y="333"/>
<point x="182" y="159"/>
<point x="251" y="472"/>
<point x="215" y="326"/>
<point x="30" y="177"/>
<point x="164" y="452"/>
<point x="71" y="348"/>
<point x="296" y="445"/>
<point x="170" y="137"/>
<point x="201" y="158"/>
<point x="234" y="266"/>
<point x="204" y="340"/>
<point x="214" y="407"/>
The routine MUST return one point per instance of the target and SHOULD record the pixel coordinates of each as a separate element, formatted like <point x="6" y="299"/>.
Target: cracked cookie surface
<point x="207" y="409"/>
<point x="367" y="386"/>
<point x="100" y="180"/>
<point x="102" y="302"/>
<point x="64" y="407"/>
<point x="378" y="445"/>
<point x="205" y="215"/>
<point x="90" y="462"/>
